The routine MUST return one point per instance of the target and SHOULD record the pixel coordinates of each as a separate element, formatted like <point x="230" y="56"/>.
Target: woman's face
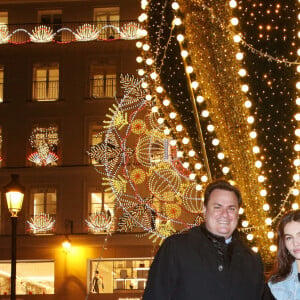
<point x="292" y="238"/>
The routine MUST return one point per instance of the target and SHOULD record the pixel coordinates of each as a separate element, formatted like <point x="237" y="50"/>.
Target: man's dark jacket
<point x="199" y="265"/>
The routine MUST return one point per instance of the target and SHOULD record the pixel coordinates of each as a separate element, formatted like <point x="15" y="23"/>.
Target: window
<point x="107" y="20"/>
<point x="44" y="140"/>
<point x="33" y="277"/>
<point x="1" y="82"/>
<point x="95" y="138"/>
<point x="53" y="19"/>
<point x="103" y="82"/>
<point x="118" y="274"/>
<point x="101" y="212"/>
<point x="43" y="211"/>
<point x="45" y="82"/>
<point x="3" y="20"/>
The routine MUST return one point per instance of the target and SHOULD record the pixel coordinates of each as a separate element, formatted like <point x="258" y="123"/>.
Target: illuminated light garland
<point x="163" y="172"/>
<point x="44" y="140"/>
<point x="85" y="32"/>
<point x="100" y="222"/>
<point x="42" y="34"/>
<point x="41" y="223"/>
<point x="209" y="92"/>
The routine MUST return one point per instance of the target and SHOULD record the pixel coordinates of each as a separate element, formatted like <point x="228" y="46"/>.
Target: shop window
<point x="44" y="142"/>
<point x="118" y="275"/>
<point x="43" y="213"/>
<point x="107" y="20"/>
<point x="32" y="277"/>
<point x="103" y="82"/>
<point x="45" y="85"/>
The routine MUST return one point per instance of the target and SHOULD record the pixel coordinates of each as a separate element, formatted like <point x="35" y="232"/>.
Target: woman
<point x="284" y="280"/>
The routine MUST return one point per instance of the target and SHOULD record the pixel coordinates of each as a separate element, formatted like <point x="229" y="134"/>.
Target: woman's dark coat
<point x="199" y="265"/>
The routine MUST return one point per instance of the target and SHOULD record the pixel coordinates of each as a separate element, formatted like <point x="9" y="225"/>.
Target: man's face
<point x="221" y="213"/>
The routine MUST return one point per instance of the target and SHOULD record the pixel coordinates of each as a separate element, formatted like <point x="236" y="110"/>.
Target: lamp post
<point x="14" y="193"/>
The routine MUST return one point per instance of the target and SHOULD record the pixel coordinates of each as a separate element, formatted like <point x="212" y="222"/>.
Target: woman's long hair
<point x="283" y="264"/>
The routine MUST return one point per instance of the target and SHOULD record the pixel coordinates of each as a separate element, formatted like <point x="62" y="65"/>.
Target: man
<point x="209" y="261"/>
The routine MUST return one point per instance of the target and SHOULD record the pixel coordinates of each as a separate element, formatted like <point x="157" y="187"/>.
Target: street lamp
<point x="14" y="193"/>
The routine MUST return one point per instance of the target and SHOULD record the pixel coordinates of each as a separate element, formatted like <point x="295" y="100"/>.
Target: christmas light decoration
<point x="84" y="33"/>
<point x="44" y="140"/>
<point x="41" y="223"/>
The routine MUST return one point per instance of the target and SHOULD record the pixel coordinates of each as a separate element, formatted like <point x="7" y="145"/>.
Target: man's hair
<point x="221" y="184"/>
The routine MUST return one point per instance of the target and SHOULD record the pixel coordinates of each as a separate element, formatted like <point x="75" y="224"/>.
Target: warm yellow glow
<point x="250" y="236"/>
<point x="225" y="170"/>
<point x="184" y="53"/>
<point x="204" y="178"/>
<point x="186" y="164"/>
<point x="160" y="120"/>
<point x="192" y="153"/>
<point x="210" y="128"/>
<point x="205" y="113"/>
<point x="175" y="5"/>
<point x="239" y="56"/>
<point x="179" y="128"/>
<point x="255" y="149"/>
<point x="192" y="176"/>
<point x="273" y="248"/>
<point x="172" y="115"/>
<point x="253" y="134"/>
<point x="215" y="142"/>
<point x="271" y="234"/>
<point x="153" y="75"/>
<point x="67" y="246"/>
<point x="221" y="155"/>
<point x="234" y="21"/>
<point x="166" y="102"/>
<point x="189" y="69"/>
<point x="139" y="59"/>
<point x="159" y="89"/>
<point x="268" y="221"/>
<point x="195" y="84"/>
<point x="198" y="166"/>
<point x="232" y="3"/>
<point x="14" y="202"/>
<point x="149" y="61"/>
<point x="177" y="21"/>
<point x="263" y="193"/>
<point x="185" y="140"/>
<point x="295" y="206"/>
<point x="180" y="38"/>
<point x="200" y="99"/>
<point x="146" y="47"/>
<point x="242" y="72"/>
<point x="245" y="223"/>
<point x="248" y="104"/>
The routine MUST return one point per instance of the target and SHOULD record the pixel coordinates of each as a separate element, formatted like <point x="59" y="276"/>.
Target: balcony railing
<point x="103" y="87"/>
<point x="45" y="90"/>
<point x="42" y="223"/>
<point x="69" y="32"/>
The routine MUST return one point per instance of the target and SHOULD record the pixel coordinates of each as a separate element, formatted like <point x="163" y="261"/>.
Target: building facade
<point x="60" y="68"/>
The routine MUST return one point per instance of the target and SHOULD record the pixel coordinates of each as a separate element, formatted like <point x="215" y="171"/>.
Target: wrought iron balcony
<point x="69" y="32"/>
